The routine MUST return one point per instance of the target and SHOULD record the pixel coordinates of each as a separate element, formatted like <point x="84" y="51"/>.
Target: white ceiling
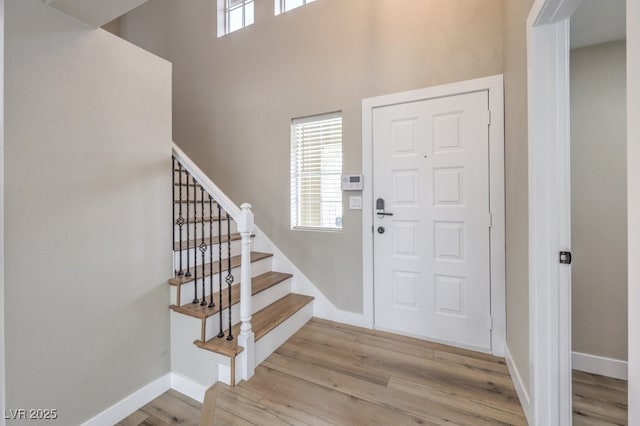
<point x="598" y="21"/>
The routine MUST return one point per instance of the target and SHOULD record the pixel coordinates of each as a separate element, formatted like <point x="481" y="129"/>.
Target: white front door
<point x="432" y="254"/>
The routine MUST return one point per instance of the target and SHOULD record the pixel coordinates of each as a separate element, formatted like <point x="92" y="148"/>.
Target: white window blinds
<point x="316" y="168"/>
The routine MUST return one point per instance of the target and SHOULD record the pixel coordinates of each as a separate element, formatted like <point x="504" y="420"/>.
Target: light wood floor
<point x="330" y="373"/>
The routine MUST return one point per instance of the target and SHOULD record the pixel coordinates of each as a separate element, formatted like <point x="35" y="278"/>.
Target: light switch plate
<point x="355" y="203"/>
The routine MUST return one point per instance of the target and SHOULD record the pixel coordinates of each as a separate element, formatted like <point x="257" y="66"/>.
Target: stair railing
<point x="197" y="181"/>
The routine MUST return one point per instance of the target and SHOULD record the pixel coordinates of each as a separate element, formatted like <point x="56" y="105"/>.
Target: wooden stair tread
<point x="184" y="201"/>
<point x="262" y="322"/>
<point x="258" y="284"/>
<point x="209" y="241"/>
<point x="199" y="220"/>
<point x="235" y="262"/>
<point x="278" y="312"/>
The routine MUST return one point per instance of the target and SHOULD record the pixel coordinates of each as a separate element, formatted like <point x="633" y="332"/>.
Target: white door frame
<point x="494" y="86"/>
<point x="2" y="327"/>
<point x="549" y="211"/>
<point x="633" y="203"/>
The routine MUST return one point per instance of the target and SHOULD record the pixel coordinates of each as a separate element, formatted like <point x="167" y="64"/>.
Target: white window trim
<point x="293" y="142"/>
<point x="223" y="24"/>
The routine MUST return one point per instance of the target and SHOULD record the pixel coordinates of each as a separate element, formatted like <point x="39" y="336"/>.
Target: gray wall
<point x="517" y="218"/>
<point x="88" y="208"/>
<point x="599" y="199"/>
<point x="234" y="96"/>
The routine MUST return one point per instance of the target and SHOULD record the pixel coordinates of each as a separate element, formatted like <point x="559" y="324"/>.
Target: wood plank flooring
<point x="598" y="400"/>
<point x="335" y="374"/>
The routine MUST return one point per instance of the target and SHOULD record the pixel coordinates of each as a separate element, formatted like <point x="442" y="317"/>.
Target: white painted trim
<point x="521" y="389"/>
<point x="494" y="85"/>
<point x="144" y="395"/>
<point x="2" y="326"/>
<point x="549" y="211"/>
<point x="187" y="387"/>
<point x="131" y="403"/>
<point x="208" y="185"/>
<point x="603" y="366"/>
<point x="301" y="284"/>
<point x="633" y="203"/>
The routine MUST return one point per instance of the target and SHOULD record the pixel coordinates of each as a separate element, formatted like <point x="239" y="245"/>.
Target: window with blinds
<point x="316" y="168"/>
<point x="286" y="5"/>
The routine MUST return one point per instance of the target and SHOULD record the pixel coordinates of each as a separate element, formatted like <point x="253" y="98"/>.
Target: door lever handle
<point x="384" y="214"/>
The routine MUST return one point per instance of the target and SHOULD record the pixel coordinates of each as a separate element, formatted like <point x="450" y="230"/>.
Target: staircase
<point x="230" y="310"/>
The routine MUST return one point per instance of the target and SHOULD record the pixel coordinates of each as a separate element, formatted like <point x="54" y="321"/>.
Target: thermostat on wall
<point x="352" y="183"/>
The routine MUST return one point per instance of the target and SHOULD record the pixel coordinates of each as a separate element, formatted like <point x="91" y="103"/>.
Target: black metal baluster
<point x="203" y="245"/>
<point x="195" y="241"/>
<point x="229" y="278"/>
<point x="188" y="273"/>
<point x="173" y="207"/>
<point x="221" y="334"/>
<point x="180" y="219"/>
<point x="211" y="303"/>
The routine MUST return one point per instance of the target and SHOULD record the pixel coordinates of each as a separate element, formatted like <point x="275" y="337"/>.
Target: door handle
<point x="380" y="209"/>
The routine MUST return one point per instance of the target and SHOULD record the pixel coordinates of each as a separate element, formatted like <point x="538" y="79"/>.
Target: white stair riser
<point x="187" y="291"/>
<point x="176" y="238"/>
<point x="271" y="341"/>
<point x="195" y="254"/>
<point x="276" y="337"/>
<point x="259" y="301"/>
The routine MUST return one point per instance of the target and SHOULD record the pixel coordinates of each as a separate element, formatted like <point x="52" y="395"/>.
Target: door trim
<point x="494" y="86"/>
<point x="549" y="211"/>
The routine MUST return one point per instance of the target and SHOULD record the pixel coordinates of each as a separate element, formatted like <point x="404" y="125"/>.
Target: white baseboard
<point x="131" y="403"/>
<point x="521" y="390"/>
<point x="146" y="394"/>
<point x="188" y="387"/>
<point x="603" y="366"/>
<point x="301" y="284"/>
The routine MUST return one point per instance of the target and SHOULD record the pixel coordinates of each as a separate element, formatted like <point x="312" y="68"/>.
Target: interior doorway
<point x="599" y="210"/>
<point x="550" y="210"/>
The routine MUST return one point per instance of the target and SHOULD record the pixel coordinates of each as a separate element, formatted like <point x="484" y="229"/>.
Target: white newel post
<point x="246" y="339"/>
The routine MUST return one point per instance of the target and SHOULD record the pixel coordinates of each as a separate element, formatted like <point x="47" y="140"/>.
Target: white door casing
<point x="550" y="387"/>
<point x="431" y="263"/>
<point x="492" y="86"/>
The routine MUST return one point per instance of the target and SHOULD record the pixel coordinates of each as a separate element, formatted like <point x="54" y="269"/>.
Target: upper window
<point x="316" y="168"/>
<point x="234" y="15"/>
<point x="286" y="5"/>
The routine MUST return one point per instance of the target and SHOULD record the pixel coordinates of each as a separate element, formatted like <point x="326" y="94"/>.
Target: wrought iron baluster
<point x="180" y="219"/>
<point x="173" y="206"/>
<point x="188" y="273"/>
<point x="203" y="245"/>
<point x="211" y="303"/>
<point x="195" y="241"/>
<point x="221" y="334"/>
<point x="229" y="278"/>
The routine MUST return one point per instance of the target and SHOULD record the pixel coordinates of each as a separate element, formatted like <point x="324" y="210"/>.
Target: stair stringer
<point x="301" y="284"/>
